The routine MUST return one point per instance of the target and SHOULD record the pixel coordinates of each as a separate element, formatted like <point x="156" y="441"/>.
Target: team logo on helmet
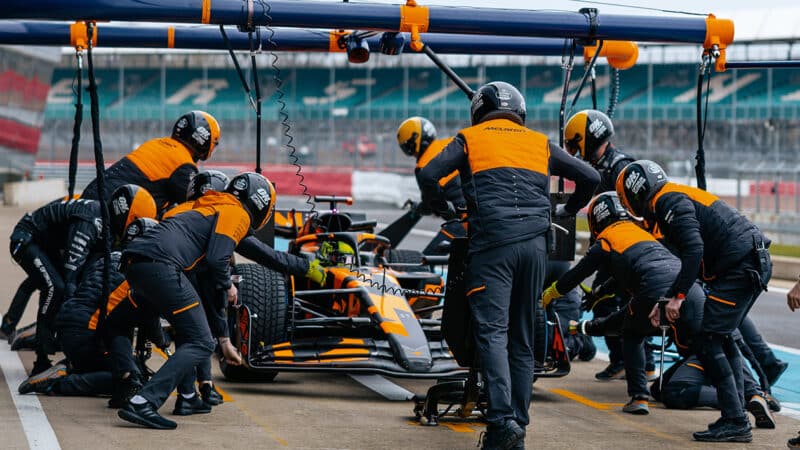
<point x="653" y="168"/>
<point x="635" y="182"/>
<point x="598" y="128"/>
<point x="120" y="205"/>
<point x="260" y="198"/>
<point x="201" y="135"/>
<point x="133" y="230"/>
<point x="601" y="211"/>
<point x="98" y="224"/>
<point x="240" y="184"/>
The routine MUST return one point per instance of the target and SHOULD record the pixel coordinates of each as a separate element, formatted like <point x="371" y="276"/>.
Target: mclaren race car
<point x="375" y="313"/>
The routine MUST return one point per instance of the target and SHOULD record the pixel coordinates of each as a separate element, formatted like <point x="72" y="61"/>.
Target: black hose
<point x="76" y="126"/>
<point x="100" y="169"/>
<point x="702" y="118"/>
<point x="257" y="90"/>
<point x="564" y="95"/>
<point x="586" y="73"/>
<point x="613" y="93"/>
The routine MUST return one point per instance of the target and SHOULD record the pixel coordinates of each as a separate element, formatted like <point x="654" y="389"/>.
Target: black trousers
<point x="764" y="355"/>
<point x="47" y="278"/>
<point x="687" y="386"/>
<point x="503" y="288"/>
<point x="166" y="289"/>
<point x="729" y="298"/>
<point x="18" y="304"/>
<point x="90" y="372"/>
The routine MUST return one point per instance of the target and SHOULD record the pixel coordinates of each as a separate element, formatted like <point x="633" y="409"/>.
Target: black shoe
<point x="24" y="338"/>
<point x="124" y="390"/>
<point x="145" y="415"/>
<point x="589" y="350"/>
<point x="774" y="404"/>
<point x="43" y="382"/>
<point x="774" y="371"/>
<point x="614" y="371"/>
<point x="726" y="431"/>
<point x="6" y="332"/>
<point x="188" y="406"/>
<point x="40" y="365"/>
<point x="794" y="442"/>
<point x="502" y="437"/>
<point x="210" y="395"/>
<point x="758" y="407"/>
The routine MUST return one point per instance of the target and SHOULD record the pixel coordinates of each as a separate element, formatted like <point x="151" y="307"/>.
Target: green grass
<point x="784" y="250"/>
<point x="581" y="224"/>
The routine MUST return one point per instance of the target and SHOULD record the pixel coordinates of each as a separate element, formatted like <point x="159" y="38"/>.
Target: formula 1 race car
<point x="372" y="316"/>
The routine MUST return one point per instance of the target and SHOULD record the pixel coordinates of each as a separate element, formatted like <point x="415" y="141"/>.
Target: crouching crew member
<point x="721" y="247"/>
<point x="641" y="267"/>
<point x="53" y="243"/>
<point x="165" y="166"/>
<point x="416" y="137"/>
<point x="587" y="135"/>
<point x="155" y="265"/>
<point x="504" y="169"/>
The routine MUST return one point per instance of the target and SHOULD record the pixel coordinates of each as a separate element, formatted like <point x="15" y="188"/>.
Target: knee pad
<point x="680" y="395"/>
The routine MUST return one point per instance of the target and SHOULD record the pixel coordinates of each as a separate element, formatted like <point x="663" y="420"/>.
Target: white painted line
<point x="778" y="290"/>
<point x="783" y="348"/>
<point x="34" y="421"/>
<point x="790" y="410"/>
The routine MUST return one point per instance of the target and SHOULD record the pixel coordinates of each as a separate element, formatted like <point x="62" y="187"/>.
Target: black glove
<point x="447" y="211"/>
<point x="421" y="209"/>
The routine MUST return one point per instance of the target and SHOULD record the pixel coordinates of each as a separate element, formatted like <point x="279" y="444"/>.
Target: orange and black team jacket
<point x="163" y="166"/>
<point x="709" y="236"/>
<point x="639" y="264"/>
<point x="255" y="250"/>
<point x="504" y="169"/>
<point x="80" y="313"/>
<point x="450" y="184"/>
<point x="208" y="234"/>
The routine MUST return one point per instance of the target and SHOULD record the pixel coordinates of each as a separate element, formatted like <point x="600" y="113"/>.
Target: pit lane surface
<point x="333" y="411"/>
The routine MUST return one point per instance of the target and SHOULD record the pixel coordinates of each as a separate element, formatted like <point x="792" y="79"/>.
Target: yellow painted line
<point x="225" y="397"/>
<point x="160" y="353"/>
<point x="258" y="422"/>
<point x="585" y="401"/>
<point x="458" y="427"/>
<point x="619" y="417"/>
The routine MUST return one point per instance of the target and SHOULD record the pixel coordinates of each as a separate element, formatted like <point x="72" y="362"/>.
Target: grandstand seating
<point x="357" y="92"/>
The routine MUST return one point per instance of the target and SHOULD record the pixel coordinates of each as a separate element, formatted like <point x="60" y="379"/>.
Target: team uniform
<point x="728" y="253"/>
<point x="504" y="169"/>
<point x="52" y="244"/>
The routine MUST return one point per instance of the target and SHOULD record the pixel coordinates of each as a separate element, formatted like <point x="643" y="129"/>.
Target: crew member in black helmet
<point x="164" y="166"/>
<point x="155" y="265"/>
<point x="728" y="253"/>
<point x="504" y="169"/>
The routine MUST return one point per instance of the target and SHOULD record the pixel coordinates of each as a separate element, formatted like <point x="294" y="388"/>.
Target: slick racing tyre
<point x="406" y="257"/>
<point x="263" y="292"/>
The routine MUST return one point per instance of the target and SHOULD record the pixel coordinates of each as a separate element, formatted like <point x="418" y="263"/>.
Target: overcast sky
<point x="752" y="19"/>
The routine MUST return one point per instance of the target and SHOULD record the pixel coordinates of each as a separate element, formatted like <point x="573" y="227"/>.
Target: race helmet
<point x="604" y="210"/>
<point x="138" y="228"/>
<point x="207" y="180"/>
<point x="336" y="253"/>
<point x="638" y="182"/>
<point x="257" y="196"/>
<point x="199" y="131"/>
<point x="497" y="100"/>
<point x="585" y="132"/>
<point x="128" y="203"/>
<point x="414" y="135"/>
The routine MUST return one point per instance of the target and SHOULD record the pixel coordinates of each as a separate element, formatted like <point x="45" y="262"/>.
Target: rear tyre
<point x="263" y="291"/>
